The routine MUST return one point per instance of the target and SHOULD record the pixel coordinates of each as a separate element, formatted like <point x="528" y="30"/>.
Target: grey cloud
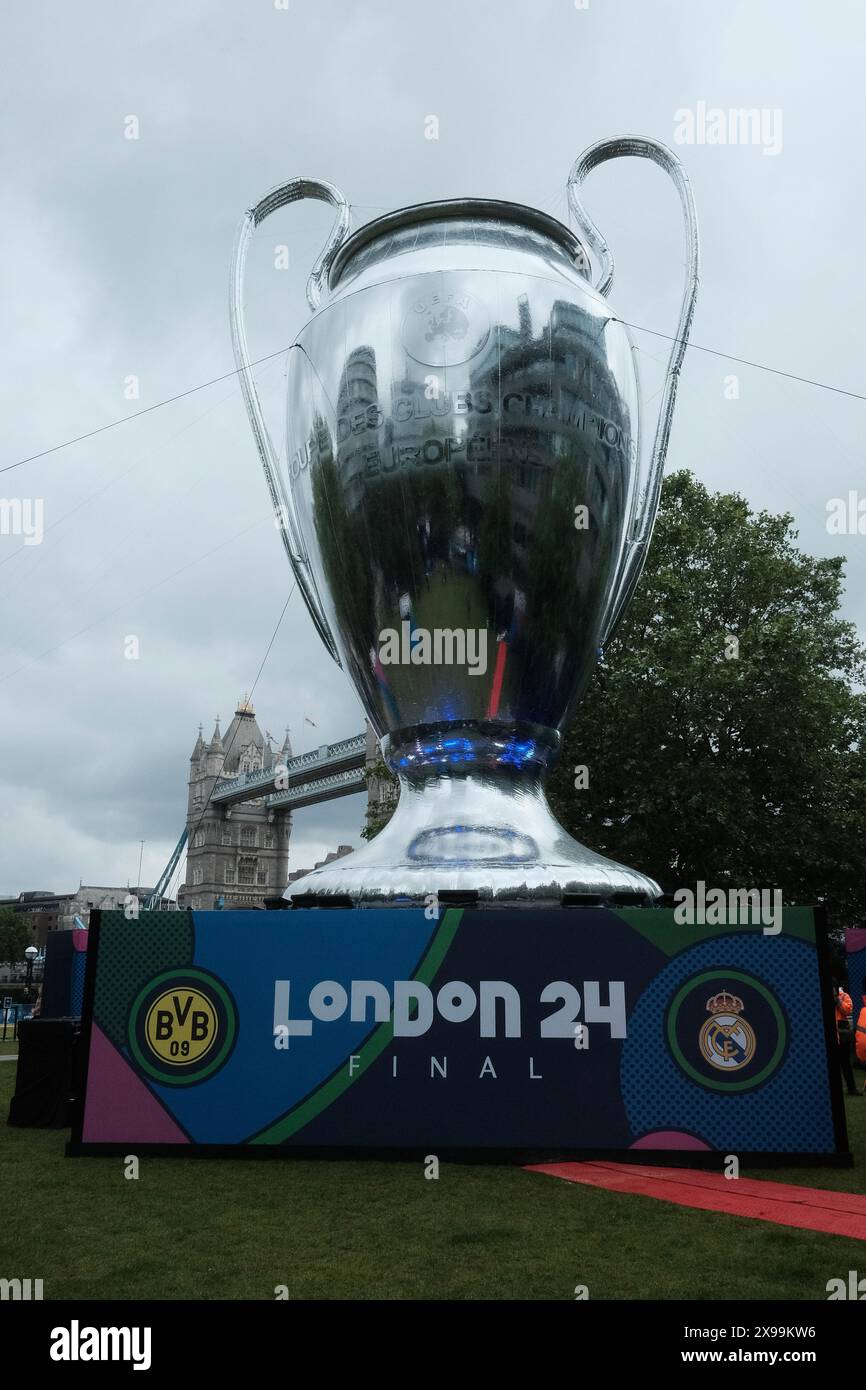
<point x="116" y="262"/>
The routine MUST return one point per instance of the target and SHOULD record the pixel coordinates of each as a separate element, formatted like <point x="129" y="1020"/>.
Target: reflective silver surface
<point x="466" y="515"/>
<point x="640" y="148"/>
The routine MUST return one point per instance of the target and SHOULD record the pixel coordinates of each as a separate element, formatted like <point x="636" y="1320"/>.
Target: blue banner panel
<point x="542" y="1031"/>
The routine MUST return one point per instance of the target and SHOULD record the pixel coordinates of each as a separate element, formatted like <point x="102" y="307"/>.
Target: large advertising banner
<point x="537" y="1032"/>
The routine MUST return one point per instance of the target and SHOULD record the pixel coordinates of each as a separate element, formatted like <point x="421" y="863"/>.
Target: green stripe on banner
<point x="374" y="1046"/>
<point x="659" y="927"/>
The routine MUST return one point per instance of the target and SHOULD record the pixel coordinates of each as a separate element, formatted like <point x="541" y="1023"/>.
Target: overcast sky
<point x="115" y="263"/>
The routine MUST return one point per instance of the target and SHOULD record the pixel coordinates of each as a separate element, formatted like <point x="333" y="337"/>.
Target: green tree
<point x="725" y="733"/>
<point x="381" y="808"/>
<point x="15" y="936"/>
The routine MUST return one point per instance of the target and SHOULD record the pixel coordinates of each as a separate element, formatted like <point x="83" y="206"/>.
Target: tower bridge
<point x="242" y="792"/>
<point x="279" y="783"/>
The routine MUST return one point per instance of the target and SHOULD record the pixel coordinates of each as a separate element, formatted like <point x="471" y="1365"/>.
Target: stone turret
<point x="239" y="854"/>
<point x="215" y="756"/>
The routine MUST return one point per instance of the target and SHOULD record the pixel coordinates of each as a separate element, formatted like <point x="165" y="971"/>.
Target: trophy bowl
<point x="466" y="514"/>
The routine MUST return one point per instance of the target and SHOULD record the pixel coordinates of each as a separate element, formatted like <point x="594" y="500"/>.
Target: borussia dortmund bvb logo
<point x="182" y="1026"/>
<point x="726" y="1039"/>
<point x="743" y="1041"/>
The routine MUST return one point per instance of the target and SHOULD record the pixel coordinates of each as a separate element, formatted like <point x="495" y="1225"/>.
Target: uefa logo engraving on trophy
<point x="445" y="328"/>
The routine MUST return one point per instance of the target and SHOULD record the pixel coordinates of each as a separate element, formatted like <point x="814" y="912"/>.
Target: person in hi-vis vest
<point x="844" y="1008"/>
<point x="860" y="1036"/>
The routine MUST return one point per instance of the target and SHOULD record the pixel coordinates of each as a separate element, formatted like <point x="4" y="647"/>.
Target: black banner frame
<point x="712" y="1160"/>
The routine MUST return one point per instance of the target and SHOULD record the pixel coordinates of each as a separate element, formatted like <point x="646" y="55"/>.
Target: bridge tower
<point x="238" y="853"/>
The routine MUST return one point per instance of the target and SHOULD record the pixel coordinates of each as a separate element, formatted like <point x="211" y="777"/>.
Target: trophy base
<point x="473" y="839"/>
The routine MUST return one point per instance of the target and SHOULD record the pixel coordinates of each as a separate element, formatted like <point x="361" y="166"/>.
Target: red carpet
<point x="808" y="1208"/>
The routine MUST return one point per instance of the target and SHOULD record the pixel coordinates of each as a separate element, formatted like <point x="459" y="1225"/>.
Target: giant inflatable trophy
<point x="467" y="512"/>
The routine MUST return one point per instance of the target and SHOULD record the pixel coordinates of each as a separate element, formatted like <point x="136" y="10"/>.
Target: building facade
<point x="236" y="856"/>
<point x="339" y="853"/>
<point x="49" y="912"/>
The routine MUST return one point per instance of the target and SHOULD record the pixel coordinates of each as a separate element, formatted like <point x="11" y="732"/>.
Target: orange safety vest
<point x="844" y="1009"/>
<point x="860" y="1034"/>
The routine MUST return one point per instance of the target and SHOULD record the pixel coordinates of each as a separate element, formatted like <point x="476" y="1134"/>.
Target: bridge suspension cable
<point x="175" y="869"/>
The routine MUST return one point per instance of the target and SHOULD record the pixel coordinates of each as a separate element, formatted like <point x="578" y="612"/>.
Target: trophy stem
<point x="473" y="823"/>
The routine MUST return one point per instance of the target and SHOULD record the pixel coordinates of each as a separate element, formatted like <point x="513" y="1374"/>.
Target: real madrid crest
<point x="744" y="1040"/>
<point x="726" y="1040"/>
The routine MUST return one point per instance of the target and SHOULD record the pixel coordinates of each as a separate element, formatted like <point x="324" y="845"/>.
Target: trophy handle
<point x="647" y="493"/>
<point x="284" y="508"/>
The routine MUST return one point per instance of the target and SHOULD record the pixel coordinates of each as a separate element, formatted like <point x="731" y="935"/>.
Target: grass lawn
<point x="223" y="1229"/>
